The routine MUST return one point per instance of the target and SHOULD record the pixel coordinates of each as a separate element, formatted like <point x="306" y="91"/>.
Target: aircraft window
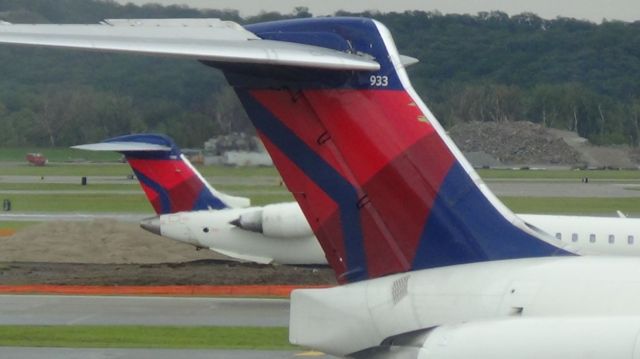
<point x="559" y="236"/>
<point x="592" y="238"/>
<point x="574" y="237"/>
<point x="630" y="239"/>
<point x="612" y="238"/>
<point x="205" y="230"/>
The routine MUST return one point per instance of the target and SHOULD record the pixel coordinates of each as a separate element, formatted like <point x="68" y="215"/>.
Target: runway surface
<point x="525" y="188"/>
<point x="99" y="310"/>
<point x="63" y="353"/>
<point x="226" y="180"/>
<point x="500" y="188"/>
<point x="67" y="179"/>
<point x="72" y="217"/>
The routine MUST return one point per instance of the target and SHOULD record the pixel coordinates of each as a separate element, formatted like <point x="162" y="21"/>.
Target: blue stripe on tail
<point x="464" y="227"/>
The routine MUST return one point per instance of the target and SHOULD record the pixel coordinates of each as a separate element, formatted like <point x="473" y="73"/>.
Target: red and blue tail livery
<point x="168" y="179"/>
<point x="383" y="187"/>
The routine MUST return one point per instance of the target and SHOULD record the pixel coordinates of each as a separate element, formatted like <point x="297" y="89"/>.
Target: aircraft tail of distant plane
<point x="384" y="188"/>
<point x="169" y="180"/>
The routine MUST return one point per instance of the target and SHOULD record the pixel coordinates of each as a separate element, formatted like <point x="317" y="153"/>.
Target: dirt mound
<point x="202" y="272"/>
<point x="109" y="252"/>
<point x="514" y="143"/>
<point x="99" y="241"/>
<point x="619" y="156"/>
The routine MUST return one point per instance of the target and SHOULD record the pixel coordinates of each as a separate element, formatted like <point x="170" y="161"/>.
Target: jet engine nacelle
<point x="281" y="220"/>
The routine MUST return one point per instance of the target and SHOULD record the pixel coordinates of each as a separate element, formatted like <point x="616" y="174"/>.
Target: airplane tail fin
<point x="169" y="180"/>
<point x="384" y="188"/>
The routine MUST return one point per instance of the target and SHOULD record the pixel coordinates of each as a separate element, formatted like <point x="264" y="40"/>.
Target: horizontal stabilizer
<point x="123" y="147"/>
<point x="200" y="39"/>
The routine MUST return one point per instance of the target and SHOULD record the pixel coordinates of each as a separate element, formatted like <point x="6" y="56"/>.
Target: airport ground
<point x="46" y="326"/>
<point x="57" y="226"/>
<point x="59" y="232"/>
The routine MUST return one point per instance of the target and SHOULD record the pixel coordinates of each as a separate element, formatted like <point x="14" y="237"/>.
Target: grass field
<point x="80" y="203"/>
<point x="167" y="337"/>
<point x="108" y="202"/>
<point x="133" y="186"/>
<point x="67" y="169"/>
<point x="16" y="225"/>
<point x="137" y="203"/>
<point x="123" y="170"/>
<point x="577" y="175"/>
<point x="571" y="205"/>
<point x="264" y="190"/>
<point x="59" y="154"/>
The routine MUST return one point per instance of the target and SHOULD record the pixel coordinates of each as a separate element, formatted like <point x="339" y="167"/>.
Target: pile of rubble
<point x="515" y="143"/>
<point x="236" y="149"/>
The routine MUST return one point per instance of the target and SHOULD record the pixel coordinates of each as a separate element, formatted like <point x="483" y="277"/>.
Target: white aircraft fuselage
<point x="588" y="235"/>
<point x="585" y="235"/>
<point x="212" y="229"/>
<point x="558" y="298"/>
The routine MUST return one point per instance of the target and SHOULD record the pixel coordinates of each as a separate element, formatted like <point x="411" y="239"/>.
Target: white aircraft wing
<point x="200" y="39"/>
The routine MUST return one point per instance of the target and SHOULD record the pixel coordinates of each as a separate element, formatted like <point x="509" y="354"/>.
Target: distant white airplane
<point x="190" y="210"/>
<point x="431" y="264"/>
<point x="195" y="213"/>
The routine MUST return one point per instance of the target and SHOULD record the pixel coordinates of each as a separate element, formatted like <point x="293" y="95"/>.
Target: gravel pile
<point x="99" y="241"/>
<point x="515" y="143"/>
<point x="108" y="252"/>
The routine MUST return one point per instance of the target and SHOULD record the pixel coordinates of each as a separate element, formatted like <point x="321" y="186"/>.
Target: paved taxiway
<point x="72" y="217"/>
<point x="500" y="188"/>
<point x="130" y="310"/>
<point x="517" y="187"/>
<point x="226" y="180"/>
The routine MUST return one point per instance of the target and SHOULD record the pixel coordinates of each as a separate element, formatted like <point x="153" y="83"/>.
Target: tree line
<point x="563" y="73"/>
